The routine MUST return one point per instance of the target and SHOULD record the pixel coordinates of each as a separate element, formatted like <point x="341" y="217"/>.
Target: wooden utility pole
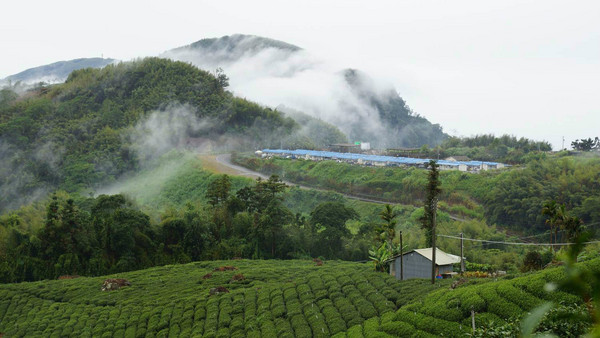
<point x="462" y="261"/>
<point x="401" y="259"/>
<point x="433" y="219"/>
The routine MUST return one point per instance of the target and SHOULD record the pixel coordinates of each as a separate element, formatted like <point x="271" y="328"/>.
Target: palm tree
<point x="572" y="225"/>
<point x="550" y="209"/>
<point x="561" y="216"/>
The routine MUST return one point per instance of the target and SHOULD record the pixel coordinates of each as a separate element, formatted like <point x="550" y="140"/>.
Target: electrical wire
<point x="514" y="243"/>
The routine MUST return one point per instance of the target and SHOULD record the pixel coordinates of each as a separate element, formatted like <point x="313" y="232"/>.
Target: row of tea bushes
<point x="274" y="299"/>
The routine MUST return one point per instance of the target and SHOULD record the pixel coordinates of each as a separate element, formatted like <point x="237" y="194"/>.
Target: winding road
<point x="225" y="160"/>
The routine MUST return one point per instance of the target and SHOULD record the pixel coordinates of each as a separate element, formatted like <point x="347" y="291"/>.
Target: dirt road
<point x="224" y="160"/>
<point x="222" y="164"/>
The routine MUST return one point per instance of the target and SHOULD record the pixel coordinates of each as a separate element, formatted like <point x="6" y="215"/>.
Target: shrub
<point x="431" y="325"/>
<point x="267" y="329"/>
<point x="471" y="300"/>
<point x="524" y="300"/>
<point x="398" y="329"/>
<point x="371" y="324"/>
<point x="532" y="261"/>
<point x="293" y="308"/>
<point x="301" y="327"/>
<point x="498" y="305"/>
<point x="334" y="320"/>
<point x="283" y="328"/>
<point x="355" y="331"/>
<point x="365" y="308"/>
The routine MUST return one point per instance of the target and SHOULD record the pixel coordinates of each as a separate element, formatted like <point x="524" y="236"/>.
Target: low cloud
<point x="164" y="130"/>
<point x="295" y="78"/>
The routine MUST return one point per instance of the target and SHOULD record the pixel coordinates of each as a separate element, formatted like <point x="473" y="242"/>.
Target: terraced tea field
<point x="266" y="298"/>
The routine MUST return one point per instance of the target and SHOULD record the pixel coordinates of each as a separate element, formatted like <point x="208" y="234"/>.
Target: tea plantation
<point x="266" y="298"/>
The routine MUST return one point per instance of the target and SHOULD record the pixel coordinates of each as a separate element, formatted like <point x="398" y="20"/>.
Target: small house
<point x="417" y="263"/>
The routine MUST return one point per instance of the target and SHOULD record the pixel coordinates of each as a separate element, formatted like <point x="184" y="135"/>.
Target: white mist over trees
<point x="276" y="73"/>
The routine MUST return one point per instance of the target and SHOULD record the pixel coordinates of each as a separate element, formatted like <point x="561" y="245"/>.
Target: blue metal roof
<point x="374" y="158"/>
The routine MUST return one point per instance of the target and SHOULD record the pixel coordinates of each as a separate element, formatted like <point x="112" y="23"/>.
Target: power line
<point x="515" y="243"/>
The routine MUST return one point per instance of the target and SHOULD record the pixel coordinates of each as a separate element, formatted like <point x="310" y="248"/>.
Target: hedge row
<point x="276" y="299"/>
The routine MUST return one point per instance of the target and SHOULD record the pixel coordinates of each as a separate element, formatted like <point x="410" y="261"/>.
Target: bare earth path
<point x="225" y="166"/>
<point x="222" y="164"/>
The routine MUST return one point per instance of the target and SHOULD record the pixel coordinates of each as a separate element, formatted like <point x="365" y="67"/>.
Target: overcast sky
<point x="528" y="68"/>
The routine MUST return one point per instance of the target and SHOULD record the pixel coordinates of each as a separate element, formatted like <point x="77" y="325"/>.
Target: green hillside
<point x="267" y="298"/>
<point x="101" y="124"/>
<point x="511" y="197"/>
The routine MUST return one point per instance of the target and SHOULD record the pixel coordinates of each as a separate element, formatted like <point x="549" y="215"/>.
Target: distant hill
<point x="103" y="123"/>
<point x="400" y="126"/>
<point x="277" y="73"/>
<point x="57" y="71"/>
<point x="227" y="48"/>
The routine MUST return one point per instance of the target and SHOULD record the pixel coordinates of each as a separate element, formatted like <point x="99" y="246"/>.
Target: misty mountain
<point x="104" y="123"/>
<point x="277" y="73"/>
<point x="55" y="72"/>
<point x="228" y="48"/>
<point x="404" y="128"/>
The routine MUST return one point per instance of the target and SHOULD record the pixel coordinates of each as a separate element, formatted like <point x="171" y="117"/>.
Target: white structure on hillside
<point x="417" y="263"/>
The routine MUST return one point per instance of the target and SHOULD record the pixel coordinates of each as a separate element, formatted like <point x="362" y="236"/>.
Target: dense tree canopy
<point x="88" y="131"/>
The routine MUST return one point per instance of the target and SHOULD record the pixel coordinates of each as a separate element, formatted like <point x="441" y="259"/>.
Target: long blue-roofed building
<point x="379" y="160"/>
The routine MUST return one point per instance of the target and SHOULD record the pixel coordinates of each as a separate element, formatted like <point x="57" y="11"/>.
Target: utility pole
<point x="462" y="261"/>
<point x="433" y="274"/>
<point x="563" y="147"/>
<point x="401" y="259"/>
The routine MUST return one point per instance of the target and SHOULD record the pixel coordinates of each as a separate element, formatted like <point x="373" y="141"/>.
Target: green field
<point x="275" y="299"/>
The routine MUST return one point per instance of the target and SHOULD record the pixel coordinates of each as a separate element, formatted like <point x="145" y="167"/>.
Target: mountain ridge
<point x="56" y="71"/>
<point x="275" y="73"/>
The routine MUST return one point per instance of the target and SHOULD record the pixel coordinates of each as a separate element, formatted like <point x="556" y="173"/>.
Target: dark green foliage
<point x="169" y="301"/>
<point x="586" y="144"/>
<point x="498" y="305"/>
<point x="487" y="147"/>
<point x="532" y="261"/>
<point x="516" y="295"/>
<point x="329" y="219"/>
<point x="433" y="190"/>
<point x="430" y="324"/>
<point x="512" y="198"/>
<point x="79" y="135"/>
<point x="398" y="329"/>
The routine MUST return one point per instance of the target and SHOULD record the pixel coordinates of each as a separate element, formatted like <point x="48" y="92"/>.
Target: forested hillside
<point x="103" y="123"/>
<point x="506" y="148"/>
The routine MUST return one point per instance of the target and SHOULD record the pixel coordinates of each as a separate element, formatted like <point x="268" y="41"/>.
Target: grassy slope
<point x="277" y="298"/>
<point x="395" y="185"/>
<point x="183" y="177"/>
<point x="177" y="179"/>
